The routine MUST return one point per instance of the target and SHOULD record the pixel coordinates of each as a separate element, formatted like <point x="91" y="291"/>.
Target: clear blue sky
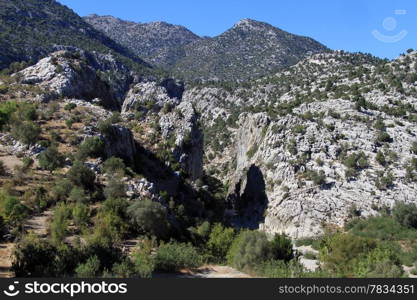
<point x="351" y="25"/>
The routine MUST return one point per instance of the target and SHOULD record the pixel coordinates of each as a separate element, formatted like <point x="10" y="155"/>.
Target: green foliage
<point x="70" y="106"/>
<point x="413" y="148"/>
<point x="379" y="263"/>
<point x="341" y="252"/>
<point x="282" y="248"/>
<point x="173" y="256"/>
<point x="143" y="260"/>
<point x="91" y="147"/>
<point x="383" y="137"/>
<point x="80" y="214"/>
<point x="405" y="214"/>
<point x="249" y="249"/>
<point x="115" y="189"/>
<point x="114" y="166"/>
<point x="124" y="269"/>
<point x="150" y="217"/>
<point x="60" y="222"/>
<point x="51" y="159"/>
<point x="80" y="175"/>
<point x="61" y="189"/>
<point x="220" y="240"/>
<point x="6" y="111"/>
<point x="318" y="178"/>
<point x="26" y="132"/>
<point x="251" y="152"/>
<point x="77" y="195"/>
<point x="89" y="269"/>
<point x="11" y="209"/>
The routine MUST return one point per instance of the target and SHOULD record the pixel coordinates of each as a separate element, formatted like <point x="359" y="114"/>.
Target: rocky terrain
<point x="248" y="50"/>
<point x="159" y="43"/>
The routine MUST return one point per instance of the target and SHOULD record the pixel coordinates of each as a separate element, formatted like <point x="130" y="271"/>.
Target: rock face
<point x="77" y="74"/>
<point x="329" y="142"/>
<point x="120" y="143"/>
<point x="157" y="42"/>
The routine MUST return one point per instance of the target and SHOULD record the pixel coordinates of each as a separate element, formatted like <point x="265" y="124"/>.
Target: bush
<point x="249" y="249"/>
<point x="150" y="217"/>
<point x="62" y="189"/>
<point x="59" y="224"/>
<point x="383" y="137"/>
<point x="379" y="263"/>
<point x="80" y="175"/>
<point x="340" y="253"/>
<point x="281" y="269"/>
<point x="77" y="195"/>
<point x="26" y="132"/>
<point x="51" y="159"/>
<point x="34" y="258"/>
<point x="282" y="248"/>
<point x="115" y="166"/>
<point x="124" y="269"/>
<point x="143" y="260"/>
<point x="89" y="269"/>
<point x="80" y="214"/>
<point x="405" y="214"/>
<point x="173" y="256"/>
<point x="12" y="211"/>
<point x="91" y="147"/>
<point x="219" y="242"/>
<point x="413" y="148"/>
<point x="115" y="189"/>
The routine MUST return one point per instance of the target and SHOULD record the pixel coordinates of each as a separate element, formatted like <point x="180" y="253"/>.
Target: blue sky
<point x="384" y="28"/>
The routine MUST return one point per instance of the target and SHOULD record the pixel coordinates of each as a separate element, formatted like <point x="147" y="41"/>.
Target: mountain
<point x="248" y="50"/>
<point x="158" y="42"/>
<point x="30" y="29"/>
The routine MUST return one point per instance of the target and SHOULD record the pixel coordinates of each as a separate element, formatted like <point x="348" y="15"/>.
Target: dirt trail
<point x="38" y="225"/>
<point x="208" y="271"/>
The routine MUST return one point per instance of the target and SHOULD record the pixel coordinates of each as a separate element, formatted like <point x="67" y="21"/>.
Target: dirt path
<point x="6" y="251"/>
<point x="36" y="224"/>
<point x="208" y="271"/>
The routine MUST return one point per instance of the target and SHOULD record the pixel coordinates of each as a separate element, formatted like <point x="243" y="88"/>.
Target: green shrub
<point x="11" y="209"/>
<point x="114" y="166"/>
<point x="70" y="106"/>
<point x="60" y="222"/>
<point x="150" y="217"/>
<point x="405" y="214"/>
<point x="173" y="256"/>
<point x="78" y="195"/>
<point x="413" y="148"/>
<point x="143" y="260"/>
<point x="379" y="263"/>
<point x="340" y="253"/>
<point x="6" y="111"/>
<point x="249" y="249"/>
<point x="26" y="132"/>
<point x="89" y="269"/>
<point x="220" y="240"/>
<point x="51" y="159"/>
<point x="61" y="189"/>
<point x="124" y="269"/>
<point x="115" y="189"/>
<point x="91" y="147"/>
<point x="282" y="248"/>
<point x="281" y="269"/>
<point x="80" y="175"/>
<point x="80" y="214"/>
<point x="34" y="257"/>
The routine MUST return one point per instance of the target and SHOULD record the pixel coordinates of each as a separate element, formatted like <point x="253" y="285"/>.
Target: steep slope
<point x="328" y="139"/>
<point x="157" y="42"/>
<point x="30" y="29"/>
<point x="250" y="49"/>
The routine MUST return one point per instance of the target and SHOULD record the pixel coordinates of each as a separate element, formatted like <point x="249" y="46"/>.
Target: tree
<point x="220" y="240"/>
<point x="282" y="248"/>
<point x="115" y="189"/>
<point x="59" y="224"/>
<point x="26" y="131"/>
<point x="405" y="214"/>
<point x="91" y="147"/>
<point x="249" y="249"/>
<point x="80" y="175"/>
<point x="78" y="195"/>
<point x="11" y="209"/>
<point x="150" y="217"/>
<point x="172" y="257"/>
<point x="51" y="159"/>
